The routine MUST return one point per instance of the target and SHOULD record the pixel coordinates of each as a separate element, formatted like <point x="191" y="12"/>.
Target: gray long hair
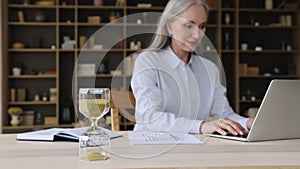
<point x="173" y="9"/>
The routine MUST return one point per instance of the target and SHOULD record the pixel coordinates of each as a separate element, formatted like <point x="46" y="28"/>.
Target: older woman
<point x="176" y="89"/>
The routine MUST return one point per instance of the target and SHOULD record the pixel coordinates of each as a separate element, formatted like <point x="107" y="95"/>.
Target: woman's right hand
<point x="222" y="126"/>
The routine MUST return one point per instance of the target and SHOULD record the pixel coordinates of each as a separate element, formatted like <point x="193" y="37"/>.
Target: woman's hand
<point x="249" y="123"/>
<point x="223" y="126"/>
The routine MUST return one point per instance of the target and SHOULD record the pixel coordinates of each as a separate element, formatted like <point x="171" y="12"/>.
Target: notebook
<point x="278" y="116"/>
<point x="59" y="134"/>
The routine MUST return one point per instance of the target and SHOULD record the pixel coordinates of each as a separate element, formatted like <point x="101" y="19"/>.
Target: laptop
<point x="278" y="116"/>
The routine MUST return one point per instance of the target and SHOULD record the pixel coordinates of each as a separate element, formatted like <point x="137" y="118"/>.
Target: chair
<point x="121" y="102"/>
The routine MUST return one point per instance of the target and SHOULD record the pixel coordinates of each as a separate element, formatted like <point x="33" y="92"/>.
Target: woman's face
<point x="188" y="28"/>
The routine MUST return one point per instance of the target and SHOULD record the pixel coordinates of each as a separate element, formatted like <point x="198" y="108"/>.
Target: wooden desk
<point x="214" y="154"/>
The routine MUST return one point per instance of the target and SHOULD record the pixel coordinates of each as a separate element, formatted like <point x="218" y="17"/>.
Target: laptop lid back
<point x="279" y="114"/>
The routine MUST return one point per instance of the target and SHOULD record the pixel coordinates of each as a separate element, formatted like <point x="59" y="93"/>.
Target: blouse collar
<point x="174" y="60"/>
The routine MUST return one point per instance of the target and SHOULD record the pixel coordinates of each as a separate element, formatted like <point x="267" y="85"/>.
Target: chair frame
<point x="120" y="101"/>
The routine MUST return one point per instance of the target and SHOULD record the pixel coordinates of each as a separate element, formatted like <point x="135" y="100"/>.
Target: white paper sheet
<point x="162" y="138"/>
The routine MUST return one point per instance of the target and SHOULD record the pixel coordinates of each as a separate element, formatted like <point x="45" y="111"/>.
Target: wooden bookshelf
<point x="71" y="20"/>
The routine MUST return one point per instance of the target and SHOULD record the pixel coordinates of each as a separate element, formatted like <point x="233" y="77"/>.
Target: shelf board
<point x="101" y="76"/>
<point x="67" y="24"/>
<point x="133" y="50"/>
<point x="50" y="24"/>
<point x="100" y="7"/>
<point x="67" y="50"/>
<point x="228" y="26"/>
<point x="152" y="8"/>
<point x="155" y="24"/>
<point x="90" y="24"/>
<point x="270" y="51"/>
<point x="32" y="50"/>
<point x="270" y="76"/>
<point x="35" y="127"/>
<point x="100" y="24"/>
<point x="100" y="50"/>
<point x="254" y="10"/>
<point x="67" y="6"/>
<point x="91" y="50"/>
<point x="32" y="103"/>
<point x="142" y="25"/>
<point x="267" y="27"/>
<point x="32" y="76"/>
<point x="31" y="6"/>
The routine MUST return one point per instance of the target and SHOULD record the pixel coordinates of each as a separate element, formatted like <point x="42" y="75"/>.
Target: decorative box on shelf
<point x="252" y="70"/>
<point x="94" y="19"/>
<point x="243" y="68"/>
<point x="50" y="121"/>
<point x="86" y="69"/>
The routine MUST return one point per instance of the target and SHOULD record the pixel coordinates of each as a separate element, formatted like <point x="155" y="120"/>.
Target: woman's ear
<point x="169" y="28"/>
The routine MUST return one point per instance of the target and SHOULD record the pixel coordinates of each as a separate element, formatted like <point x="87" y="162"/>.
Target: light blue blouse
<point x="174" y="96"/>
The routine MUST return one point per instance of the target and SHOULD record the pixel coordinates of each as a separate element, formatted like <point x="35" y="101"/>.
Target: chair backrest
<point x="120" y="102"/>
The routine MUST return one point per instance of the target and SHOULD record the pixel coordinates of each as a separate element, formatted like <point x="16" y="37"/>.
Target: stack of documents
<point x="162" y="138"/>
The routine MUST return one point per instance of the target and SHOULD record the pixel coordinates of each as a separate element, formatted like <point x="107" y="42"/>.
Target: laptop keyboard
<point x="230" y="134"/>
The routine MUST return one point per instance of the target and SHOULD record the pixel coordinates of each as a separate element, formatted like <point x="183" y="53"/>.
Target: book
<point x="21" y="94"/>
<point x="12" y="94"/>
<point x="21" y="16"/>
<point x="59" y="134"/>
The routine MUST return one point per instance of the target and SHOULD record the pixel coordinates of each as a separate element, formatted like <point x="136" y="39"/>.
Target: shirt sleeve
<point x="221" y="107"/>
<point x="150" y="102"/>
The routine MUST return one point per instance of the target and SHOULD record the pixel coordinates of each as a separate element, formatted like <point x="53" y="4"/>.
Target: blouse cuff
<point x="196" y="126"/>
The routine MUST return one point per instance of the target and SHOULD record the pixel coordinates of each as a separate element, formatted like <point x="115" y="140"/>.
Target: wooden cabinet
<point x="257" y="45"/>
<point x="113" y="42"/>
<point x="51" y="36"/>
<point x="47" y="63"/>
<point x="272" y="40"/>
<point x="33" y="35"/>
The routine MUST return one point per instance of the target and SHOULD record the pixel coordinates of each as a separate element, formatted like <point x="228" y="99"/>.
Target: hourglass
<point x="94" y="143"/>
